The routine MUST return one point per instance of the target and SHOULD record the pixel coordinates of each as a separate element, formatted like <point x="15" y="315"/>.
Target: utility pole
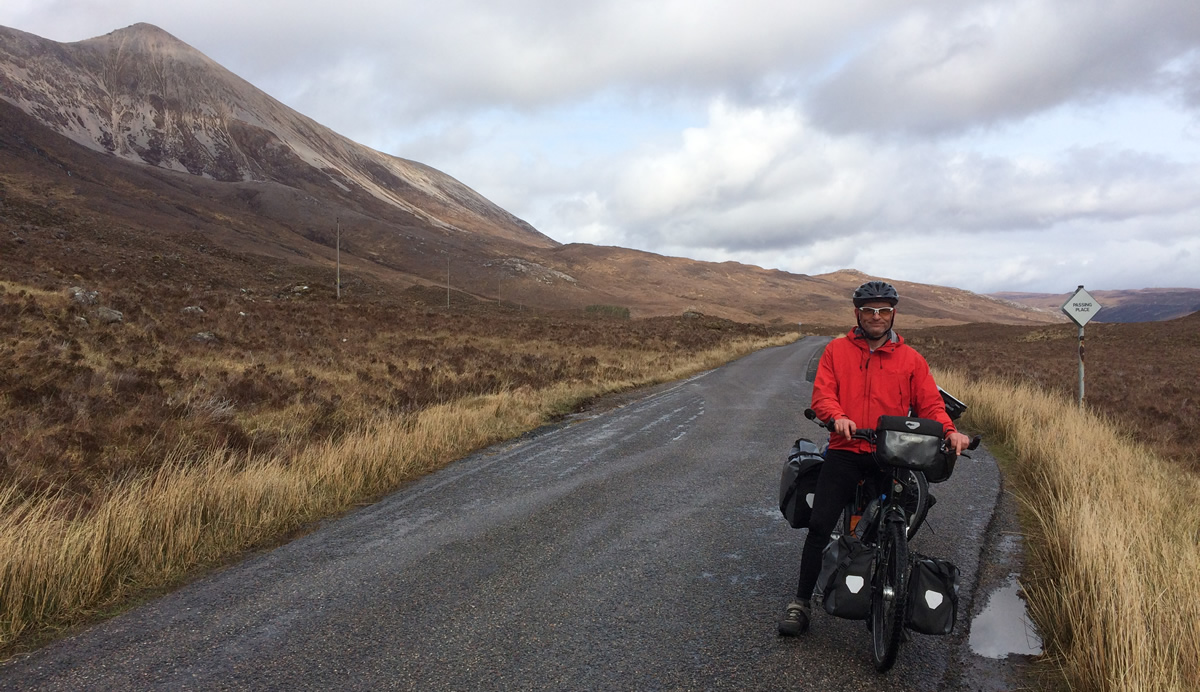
<point x="339" y="257"/>
<point x="447" y="282"/>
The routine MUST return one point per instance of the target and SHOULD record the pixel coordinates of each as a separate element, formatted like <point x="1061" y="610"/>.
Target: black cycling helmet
<point x="875" y="290"/>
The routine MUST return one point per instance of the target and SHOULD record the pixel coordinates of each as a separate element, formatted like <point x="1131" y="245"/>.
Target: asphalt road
<point x="633" y="548"/>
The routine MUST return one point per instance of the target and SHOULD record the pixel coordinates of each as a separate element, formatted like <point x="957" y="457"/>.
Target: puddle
<point x="1003" y="627"/>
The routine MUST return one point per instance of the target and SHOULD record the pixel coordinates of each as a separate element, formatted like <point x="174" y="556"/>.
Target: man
<point x="868" y="374"/>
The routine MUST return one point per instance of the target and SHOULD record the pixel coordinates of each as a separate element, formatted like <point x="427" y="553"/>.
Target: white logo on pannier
<point x="934" y="599"/>
<point x="809" y="499"/>
<point x="911" y="424"/>
<point x="854" y="583"/>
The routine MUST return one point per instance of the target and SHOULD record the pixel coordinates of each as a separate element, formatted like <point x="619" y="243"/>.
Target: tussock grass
<point x="58" y="568"/>
<point x="1114" y="539"/>
<point x="1139" y="372"/>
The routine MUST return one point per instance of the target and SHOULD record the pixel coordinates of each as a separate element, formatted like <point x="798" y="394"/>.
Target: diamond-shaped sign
<point x="1080" y="307"/>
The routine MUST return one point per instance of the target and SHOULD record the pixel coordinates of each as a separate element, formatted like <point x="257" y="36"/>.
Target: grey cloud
<point x="969" y="65"/>
<point x="416" y="58"/>
<point x="470" y="87"/>
<point x="913" y="191"/>
<point x="1186" y="80"/>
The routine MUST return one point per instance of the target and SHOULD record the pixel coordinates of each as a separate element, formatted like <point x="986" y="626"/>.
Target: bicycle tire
<point x="889" y="596"/>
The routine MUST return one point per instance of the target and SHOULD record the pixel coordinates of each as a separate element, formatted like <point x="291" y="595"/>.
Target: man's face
<point x="875" y="324"/>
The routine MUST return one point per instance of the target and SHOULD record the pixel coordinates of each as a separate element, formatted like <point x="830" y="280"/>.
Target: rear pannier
<point x="798" y="482"/>
<point x="847" y="567"/>
<point x="932" y="596"/>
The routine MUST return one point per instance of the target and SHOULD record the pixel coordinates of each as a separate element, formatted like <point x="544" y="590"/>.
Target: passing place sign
<point x="1080" y="307"/>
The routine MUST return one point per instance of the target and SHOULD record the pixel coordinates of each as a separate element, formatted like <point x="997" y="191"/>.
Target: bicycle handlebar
<point x="868" y="434"/>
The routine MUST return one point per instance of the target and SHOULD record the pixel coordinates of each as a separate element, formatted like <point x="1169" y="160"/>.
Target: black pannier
<point x="932" y="596"/>
<point x="912" y="443"/>
<point x="845" y="579"/>
<point x="798" y="482"/>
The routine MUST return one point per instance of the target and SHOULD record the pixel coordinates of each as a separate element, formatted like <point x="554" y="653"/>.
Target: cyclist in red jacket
<point x="867" y="374"/>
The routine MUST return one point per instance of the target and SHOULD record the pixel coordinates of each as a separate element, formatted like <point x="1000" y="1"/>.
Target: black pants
<point x="839" y="477"/>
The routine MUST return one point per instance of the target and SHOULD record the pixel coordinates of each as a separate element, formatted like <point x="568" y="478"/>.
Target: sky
<point x="990" y="145"/>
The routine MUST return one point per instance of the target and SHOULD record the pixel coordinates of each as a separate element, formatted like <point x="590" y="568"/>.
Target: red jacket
<point x="856" y="383"/>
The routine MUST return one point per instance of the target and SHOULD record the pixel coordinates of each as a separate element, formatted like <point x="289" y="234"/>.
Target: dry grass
<point x="1114" y="545"/>
<point x="132" y="455"/>
<point x="1142" y="374"/>
<point x="82" y="403"/>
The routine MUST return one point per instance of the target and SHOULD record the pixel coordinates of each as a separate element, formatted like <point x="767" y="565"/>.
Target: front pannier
<point x="911" y="443"/>
<point x="845" y="579"/>
<point x="932" y="596"/>
<point x="798" y="482"/>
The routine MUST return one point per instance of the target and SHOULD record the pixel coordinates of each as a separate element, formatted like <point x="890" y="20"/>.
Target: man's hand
<point x="845" y="427"/>
<point x="958" y="441"/>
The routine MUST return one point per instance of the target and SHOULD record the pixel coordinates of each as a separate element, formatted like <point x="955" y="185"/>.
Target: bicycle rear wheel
<point x="889" y="595"/>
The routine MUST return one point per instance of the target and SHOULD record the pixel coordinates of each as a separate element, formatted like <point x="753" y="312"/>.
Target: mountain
<point x="132" y="157"/>
<point x="145" y="96"/>
<point x="1143" y="305"/>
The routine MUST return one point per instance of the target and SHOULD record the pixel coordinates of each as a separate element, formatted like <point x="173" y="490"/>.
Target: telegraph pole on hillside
<point x="339" y="257"/>
<point x="447" y="281"/>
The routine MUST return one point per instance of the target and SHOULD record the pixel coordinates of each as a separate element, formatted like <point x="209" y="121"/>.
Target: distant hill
<point x="134" y="159"/>
<point x="1143" y="305"/>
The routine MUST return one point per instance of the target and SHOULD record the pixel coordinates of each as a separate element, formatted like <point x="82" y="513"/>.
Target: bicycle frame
<point x="889" y="532"/>
<point x="858" y="517"/>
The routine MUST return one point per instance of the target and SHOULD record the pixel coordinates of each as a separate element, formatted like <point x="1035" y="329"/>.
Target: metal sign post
<point x="1080" y="307"/>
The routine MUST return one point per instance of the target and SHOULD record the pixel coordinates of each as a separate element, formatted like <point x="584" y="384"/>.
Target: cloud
<point x="1184" y="76"/>
<point x="969" y="65"/>
<point x="468" y="54"/>
<point x="884" y="135"/>
<point x="764" y="187"/>
<point x="756" y="178"/>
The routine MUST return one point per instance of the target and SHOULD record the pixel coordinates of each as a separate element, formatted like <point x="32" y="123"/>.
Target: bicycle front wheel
<point x="889" y="595"/>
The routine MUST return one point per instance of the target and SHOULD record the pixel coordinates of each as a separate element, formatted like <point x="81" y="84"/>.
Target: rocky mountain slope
<point x="132" y="146"/>
<point x="145" y="96"/>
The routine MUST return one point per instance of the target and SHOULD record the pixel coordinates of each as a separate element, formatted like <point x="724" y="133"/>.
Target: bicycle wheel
<point x="889" y="595"/>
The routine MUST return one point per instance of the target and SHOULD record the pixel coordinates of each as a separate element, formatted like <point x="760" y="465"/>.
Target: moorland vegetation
<point x="236" y="401"/>
<point x="1141" y="375"/>
<point x="1107" y="489"/>
<point x="201" y="425"/>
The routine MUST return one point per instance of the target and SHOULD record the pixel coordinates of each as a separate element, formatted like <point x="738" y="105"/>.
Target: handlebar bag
<point x="798" y="482"/>
<point x="932" y="596"/>
<point x="910" y="443"/>
<point x="845" y="578"/>
<point x="942" y="467"/>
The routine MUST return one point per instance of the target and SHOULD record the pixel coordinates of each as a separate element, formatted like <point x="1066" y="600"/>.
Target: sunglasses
<point x="886" y="312"/>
